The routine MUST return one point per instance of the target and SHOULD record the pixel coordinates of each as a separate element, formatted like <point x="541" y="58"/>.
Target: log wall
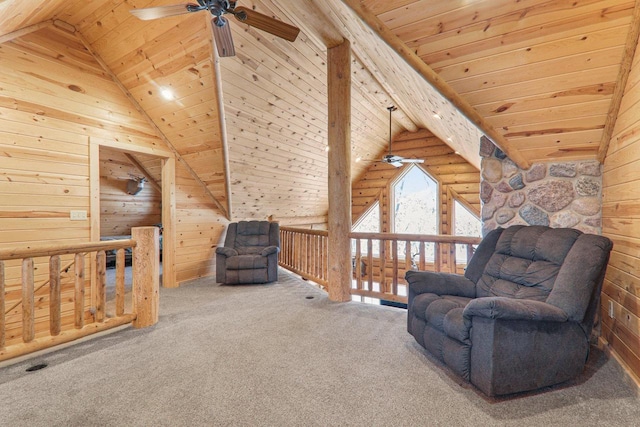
<point x="620" y="222"/>
<point x="456" y="176"/>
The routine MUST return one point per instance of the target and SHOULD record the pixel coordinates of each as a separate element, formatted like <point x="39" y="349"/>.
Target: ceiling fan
<point x="219" y="24"/>
<point x="391" y="158"/>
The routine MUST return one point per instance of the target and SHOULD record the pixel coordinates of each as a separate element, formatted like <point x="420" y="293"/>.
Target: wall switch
<point x="611" y="311"/>
<point x="78" y="215"/>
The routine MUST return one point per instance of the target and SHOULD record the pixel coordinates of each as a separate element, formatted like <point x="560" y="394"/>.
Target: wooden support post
<point x="120" y="261"/>
<point x="168" y="223"/>
<point x="146" y="276"/>
<point x="3" y="323"/>
<point x="101" y="285"/>
<point x="339" y="135"/>
<point x="54" y="295"/>
<point x="28" y="326"/>
<point x="78" y="298"/>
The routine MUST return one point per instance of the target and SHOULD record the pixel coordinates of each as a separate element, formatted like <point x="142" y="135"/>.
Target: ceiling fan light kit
<point x="220" y="25"/>
<point x="391" y="158"/>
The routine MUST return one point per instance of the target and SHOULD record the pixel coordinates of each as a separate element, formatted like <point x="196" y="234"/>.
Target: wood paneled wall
<point x="119" y="211"/>
<point x="56" y="105"/>
<point x="621" y="223"/>
<point x="456" y="177"/>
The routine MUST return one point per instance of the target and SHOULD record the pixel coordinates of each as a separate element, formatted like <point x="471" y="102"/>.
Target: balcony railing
<point x="380" y="260"/>
<point x="68" y="301"/>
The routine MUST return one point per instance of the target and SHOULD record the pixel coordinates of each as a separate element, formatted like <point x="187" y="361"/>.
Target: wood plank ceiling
<point x="543" y="73"/>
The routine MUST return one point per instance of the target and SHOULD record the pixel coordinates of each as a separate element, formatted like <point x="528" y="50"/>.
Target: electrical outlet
<point x="78" y="215"/>
<point x="611" y="311"/>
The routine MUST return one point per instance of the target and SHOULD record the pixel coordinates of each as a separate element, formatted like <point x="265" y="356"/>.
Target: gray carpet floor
<point x="283" y="355"/>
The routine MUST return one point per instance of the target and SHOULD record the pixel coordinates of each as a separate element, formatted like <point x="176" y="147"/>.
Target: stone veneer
<point x="557" y="194"/>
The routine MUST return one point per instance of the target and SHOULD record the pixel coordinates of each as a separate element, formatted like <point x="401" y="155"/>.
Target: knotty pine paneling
<point x="199" y="229"/>
<point x="119" y="211"/>
<point x="542" y="73"/>
<point x="441" y="162"/>
<point x="620" y="215"/>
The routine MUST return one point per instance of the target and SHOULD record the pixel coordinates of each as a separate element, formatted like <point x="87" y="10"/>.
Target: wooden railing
<point x="304" y="252"/>
<point x="379" y="259"/>
<point x="71" y="315"/>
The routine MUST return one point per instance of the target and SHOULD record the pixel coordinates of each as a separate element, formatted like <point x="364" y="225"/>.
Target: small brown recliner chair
<point x="249" y="254"/>
<point x="521" y="316"/>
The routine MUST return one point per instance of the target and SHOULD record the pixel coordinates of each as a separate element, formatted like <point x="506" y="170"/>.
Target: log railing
<point x="379" y="260"/>
<point x="305" y="253"/>
<point x="84" y="316"/>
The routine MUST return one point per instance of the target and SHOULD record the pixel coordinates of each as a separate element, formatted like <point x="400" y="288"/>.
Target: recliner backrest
<point x="251" y="237"/>
<point x="526" y="262"/>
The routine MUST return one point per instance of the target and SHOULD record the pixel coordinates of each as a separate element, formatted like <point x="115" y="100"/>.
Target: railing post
<point x="78" y="299"/>
<point x="54" y="295"/>
<point x="101" y="286"/>
<point x="28" y="326"/>
<point x="146" y="276"/>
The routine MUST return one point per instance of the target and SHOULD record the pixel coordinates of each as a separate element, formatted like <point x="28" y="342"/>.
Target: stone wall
<point x="557" y="194"/>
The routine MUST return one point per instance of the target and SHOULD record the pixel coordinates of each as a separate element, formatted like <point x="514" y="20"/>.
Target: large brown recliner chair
<point x="249" y="254"/>
<point x="521" y="316"/>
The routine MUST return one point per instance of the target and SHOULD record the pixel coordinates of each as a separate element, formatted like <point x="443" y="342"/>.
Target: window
<point x="368" y="223"/>
<point x="465" y="223"/>
<point x="415" y="208"/>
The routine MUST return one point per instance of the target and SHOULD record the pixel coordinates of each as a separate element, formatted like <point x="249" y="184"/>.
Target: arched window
<point x="415" y="203"/>
<point x="414" y="208"/>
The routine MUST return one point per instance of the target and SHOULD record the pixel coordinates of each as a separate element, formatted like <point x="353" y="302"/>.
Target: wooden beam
<point x="219" y="95"/>
<point x="339" y="183"/>
<point x="150" y="121"/>
<point x="24" y="31"/>
<point x="144" y="172"/>
<point x="411" y="58"/>
<point x="621" y="83"/>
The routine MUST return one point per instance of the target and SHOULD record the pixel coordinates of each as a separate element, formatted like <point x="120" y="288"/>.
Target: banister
<point x="72" y="248"/>
<point x="429" y="238"/>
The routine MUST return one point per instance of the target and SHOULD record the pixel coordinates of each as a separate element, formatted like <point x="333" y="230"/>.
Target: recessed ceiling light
<point x="326" y="148"/>
<point x="436" y="115"/>
<point x="166" y="93"/>
<point x="358" y="159"/>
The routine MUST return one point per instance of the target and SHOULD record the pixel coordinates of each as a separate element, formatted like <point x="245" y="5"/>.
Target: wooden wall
<point x="119" y="211"/>
<point x="457" y="178"/>
<point x="621" y="223"/>
<point x="57" y="105"/>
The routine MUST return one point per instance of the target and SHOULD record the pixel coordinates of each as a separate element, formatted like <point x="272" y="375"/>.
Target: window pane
<point x="370" y="223"/>
<point x="465" y="224"/>
<point x="415" y="198"/>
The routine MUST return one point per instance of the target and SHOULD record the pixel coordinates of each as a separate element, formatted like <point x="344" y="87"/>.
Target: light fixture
<point x="358" y="159"/>
<point x="166" y="93"/>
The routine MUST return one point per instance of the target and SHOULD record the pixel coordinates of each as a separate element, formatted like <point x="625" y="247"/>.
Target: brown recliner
<point x="249" y="254"/>
<point x="521" y="316"/>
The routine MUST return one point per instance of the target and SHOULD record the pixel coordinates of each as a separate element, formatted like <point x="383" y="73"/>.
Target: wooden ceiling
<point x="542" y="76"/>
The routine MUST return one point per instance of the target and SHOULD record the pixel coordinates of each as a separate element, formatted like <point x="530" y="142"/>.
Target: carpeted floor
<point x="283" y="355"/>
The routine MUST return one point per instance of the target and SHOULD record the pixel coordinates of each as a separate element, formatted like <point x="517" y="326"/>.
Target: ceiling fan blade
<point x="222" y="35"/>
<point x="149" y="13"/>
<point x="412" y="161"/>
<point x="266" y="23"/>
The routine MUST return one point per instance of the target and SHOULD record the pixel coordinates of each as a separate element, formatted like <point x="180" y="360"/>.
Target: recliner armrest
<point x="226" y="251"/>
<point x="514" y="309"/>
<point x="270" y="250"/>
<point x="421" y="282"/>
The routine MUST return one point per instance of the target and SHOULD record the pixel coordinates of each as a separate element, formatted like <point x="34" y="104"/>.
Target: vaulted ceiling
<point x="542" y="78"/>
